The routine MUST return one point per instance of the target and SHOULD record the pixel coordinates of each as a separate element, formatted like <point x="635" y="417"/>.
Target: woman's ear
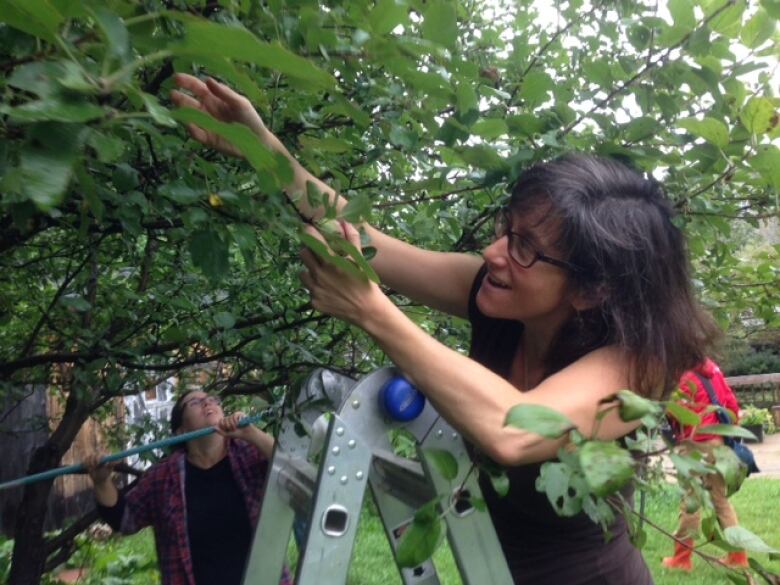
<point x="589" y="298"/>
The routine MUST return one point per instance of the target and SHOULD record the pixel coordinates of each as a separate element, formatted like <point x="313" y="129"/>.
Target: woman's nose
<point x="495" y="252"/>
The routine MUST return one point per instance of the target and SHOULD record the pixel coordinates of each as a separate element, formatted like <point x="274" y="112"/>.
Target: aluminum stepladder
<point x="356" y="453"/>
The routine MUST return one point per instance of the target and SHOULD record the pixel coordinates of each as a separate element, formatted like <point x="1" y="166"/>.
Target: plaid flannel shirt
<point x="159" y="501"/>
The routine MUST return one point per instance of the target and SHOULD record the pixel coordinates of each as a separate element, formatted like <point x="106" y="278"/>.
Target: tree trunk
<point x="29" y="556"/>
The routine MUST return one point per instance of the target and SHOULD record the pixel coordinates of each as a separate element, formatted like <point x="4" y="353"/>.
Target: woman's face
<point x="535" y="294"/>
<point x="199" y="410"/>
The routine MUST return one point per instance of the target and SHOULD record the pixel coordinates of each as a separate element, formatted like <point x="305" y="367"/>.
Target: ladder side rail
<point x="471" y="535"/>
<point x="341" y="486"/>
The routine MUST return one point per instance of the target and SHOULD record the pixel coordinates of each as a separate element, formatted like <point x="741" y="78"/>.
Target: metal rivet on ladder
<point x="340" y="431"/>
<point x="439" y="433"/>
<point x="335" y="520"/>
<point x="344" y="479"/>
<point x="336" y="450"/>
<point x="454" y="436"/>
<point x="351" y="443"/>
<point x="359" y="475"/>
<point x="331" y="470"/>
<point x="356" y="404"/>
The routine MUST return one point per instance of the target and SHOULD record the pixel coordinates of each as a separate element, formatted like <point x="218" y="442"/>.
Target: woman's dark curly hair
<point x="616" y="226"/>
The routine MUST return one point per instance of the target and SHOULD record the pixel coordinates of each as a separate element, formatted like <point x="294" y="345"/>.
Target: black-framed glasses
<point x="198" y="402"/>
<point x="520" y="249"/>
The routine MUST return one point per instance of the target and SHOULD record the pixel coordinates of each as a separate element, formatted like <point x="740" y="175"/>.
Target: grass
<point x="756" y="504"/>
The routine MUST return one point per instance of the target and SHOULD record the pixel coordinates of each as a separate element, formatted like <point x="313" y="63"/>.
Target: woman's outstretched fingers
<point x="223" y="92"/>
<point x="192" y="83"/>
<point x="351" y="234"/>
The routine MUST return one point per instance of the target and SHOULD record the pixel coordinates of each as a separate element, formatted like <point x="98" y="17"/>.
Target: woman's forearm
<point x="106" y="493"/>
<point x="297" y="190"/>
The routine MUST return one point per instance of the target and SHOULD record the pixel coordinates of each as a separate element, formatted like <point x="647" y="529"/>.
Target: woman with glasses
<point x="202" y="501"/>
<point x="584" y="291"/>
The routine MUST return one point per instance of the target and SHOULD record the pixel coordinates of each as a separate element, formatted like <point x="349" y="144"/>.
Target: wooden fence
<point x="762" y="390"/>
<point x="25" y="426"/>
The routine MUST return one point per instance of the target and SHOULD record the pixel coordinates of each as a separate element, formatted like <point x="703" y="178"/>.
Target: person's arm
<point x="106" y="493"/>
<point x="262" y="441"/>
<point x="469" y="396"/>
<point x="439" y="280"/>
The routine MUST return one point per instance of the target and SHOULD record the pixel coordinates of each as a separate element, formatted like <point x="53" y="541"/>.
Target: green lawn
<point x="127" y="560"/>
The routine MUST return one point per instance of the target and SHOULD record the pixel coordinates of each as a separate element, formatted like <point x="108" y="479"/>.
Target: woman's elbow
<point x="518" y="449"/>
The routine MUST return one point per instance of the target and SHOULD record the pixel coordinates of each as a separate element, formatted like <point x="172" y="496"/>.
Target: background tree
<point x="130" y="254"/>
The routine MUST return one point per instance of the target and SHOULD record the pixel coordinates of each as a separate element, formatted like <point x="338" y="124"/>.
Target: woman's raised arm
<point x="439" y="280"/>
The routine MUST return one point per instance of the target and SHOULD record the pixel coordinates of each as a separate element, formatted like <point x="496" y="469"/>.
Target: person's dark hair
<point x="177" y="412"/>
<point x="616" y="226"/>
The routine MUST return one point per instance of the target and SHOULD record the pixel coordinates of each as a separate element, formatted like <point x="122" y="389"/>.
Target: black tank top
<point x="540" y="546"/>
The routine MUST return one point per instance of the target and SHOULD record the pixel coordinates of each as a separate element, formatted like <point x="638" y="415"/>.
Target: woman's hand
<point x="335" y="292"/>
<point x="100" y="473"/>
<point x="222" y="103"/>
<point x="228" y="427"/>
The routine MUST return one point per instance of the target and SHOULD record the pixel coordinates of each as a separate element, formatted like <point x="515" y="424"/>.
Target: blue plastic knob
<point x="401" y="401"/>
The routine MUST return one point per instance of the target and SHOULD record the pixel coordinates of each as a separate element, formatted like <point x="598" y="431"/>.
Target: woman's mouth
<point x="497" y="283"/>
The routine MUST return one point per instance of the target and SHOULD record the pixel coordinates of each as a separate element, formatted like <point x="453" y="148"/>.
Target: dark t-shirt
<point x="217" y="524"/>
<point x="218" y="527"/>
<point x="540" y="546"/>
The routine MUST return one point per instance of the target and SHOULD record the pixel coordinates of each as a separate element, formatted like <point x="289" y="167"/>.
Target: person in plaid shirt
<point x="202" y="501"/>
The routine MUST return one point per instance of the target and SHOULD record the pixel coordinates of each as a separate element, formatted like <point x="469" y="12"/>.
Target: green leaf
<point x="684" y="416"/>
<point x="322" y="252"/>
<point x="767" y="162"/>
<point x="729" y="21"/>
<point x="772" y="7"/>
<point x="634" y="407"/>
<point x="125" y="178"/>
<point x="440" y="23"/>
<point x="225" y="320"/>
<point x="467" y="98"/>
<point x="210" y="254"/>
<point x="46" y="161"/>
<point x="729" y="467"/>
<point x="682" y="14"/>
<point x="482" y="156"/>
<point x="386" y="15"/>
<point x="606" y="466"/>
<point x="179" y="192"/>
<point x="38" y="18"/>
<point x="55" y="110"/>
<point x="641" y="128"/>
<point x="687" y="464"/>
<point x="357" y="209"/>
<point x="114" y="32"/>
<point x="421" y="538"/>
<point x="758" y="115"/>
<point x="563" y="486"/>
<point x="489" y="128"/>
<point x="232" y="42"/>
<point x="444" y="462"/>
<point x="726" y="431"/>
<point x="538" y="419"/>
<point x="343" y="248"/>
<point x="500" y="483"/>
<point x="108" y="147"/>
<point x="258" y="155"/>
<point x="535" y="88"/>
<point x="38" y="77"/>
<point x="710" y="129"/>
<point x="76" y="302"/>
<point x="742" y="538"/>
<point x="159" y="113"/>
<point x="758" y="29"/>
